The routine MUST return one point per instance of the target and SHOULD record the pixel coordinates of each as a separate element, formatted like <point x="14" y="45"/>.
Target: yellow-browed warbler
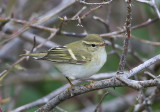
<point x="78" y="59"/>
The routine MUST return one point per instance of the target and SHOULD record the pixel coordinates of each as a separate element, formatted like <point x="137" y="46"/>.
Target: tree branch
<point x="113" y="82"/>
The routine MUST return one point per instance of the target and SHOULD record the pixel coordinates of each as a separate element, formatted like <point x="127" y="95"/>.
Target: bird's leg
<point x="71" y="85"/>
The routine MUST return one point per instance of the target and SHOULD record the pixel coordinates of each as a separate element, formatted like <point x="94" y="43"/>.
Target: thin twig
<point x="126" y="41"/>
<point x="60" y="109"/>
<point x="48" y="39"/>
<point x="91" y="10"/>
<point x="114" y="33"/>
<point x="151" y="3"/>
<point x="99" y="104"/>
<point x="79" y="12"/>
<point x="17" y="33"/>
<point x="146" y="41"/>
<point x="29" y="24"/>
<point x="102" y="3"/>
<point x="102" y="21"/>
<point x="150" y="74"/>
<point x="5" y="72"/>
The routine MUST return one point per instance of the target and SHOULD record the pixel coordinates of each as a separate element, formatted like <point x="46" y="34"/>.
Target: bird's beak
<point x="104" y="44"/>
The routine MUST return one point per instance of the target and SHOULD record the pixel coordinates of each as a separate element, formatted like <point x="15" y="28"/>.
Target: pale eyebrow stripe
<point x="89" y="43"/>
<point x="72" y="54"/>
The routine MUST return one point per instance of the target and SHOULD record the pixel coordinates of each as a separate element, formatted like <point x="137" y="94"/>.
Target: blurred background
<point x="23" y="81"/>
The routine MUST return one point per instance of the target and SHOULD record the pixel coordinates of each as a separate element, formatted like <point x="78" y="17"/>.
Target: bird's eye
<point x="93" y="45"/>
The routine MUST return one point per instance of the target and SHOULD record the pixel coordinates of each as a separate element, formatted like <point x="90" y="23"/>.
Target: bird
<point x="76" y="60"/>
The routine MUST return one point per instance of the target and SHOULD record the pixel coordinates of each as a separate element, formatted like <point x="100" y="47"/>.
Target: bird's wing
<point x="66" y="55"/>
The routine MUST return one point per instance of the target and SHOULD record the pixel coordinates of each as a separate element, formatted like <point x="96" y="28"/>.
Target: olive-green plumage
<point x="78" y="59"/>
<point x="64" y="54"/>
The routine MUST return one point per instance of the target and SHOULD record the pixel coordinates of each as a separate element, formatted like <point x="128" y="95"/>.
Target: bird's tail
<point x="35" y="55"/>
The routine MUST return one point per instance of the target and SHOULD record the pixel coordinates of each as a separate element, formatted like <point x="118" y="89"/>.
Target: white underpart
<point x="85" y="70"/>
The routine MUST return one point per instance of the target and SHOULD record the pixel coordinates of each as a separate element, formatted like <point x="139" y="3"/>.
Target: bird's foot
<point x="71" y="86"/>
<point x="91" y="82"/>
